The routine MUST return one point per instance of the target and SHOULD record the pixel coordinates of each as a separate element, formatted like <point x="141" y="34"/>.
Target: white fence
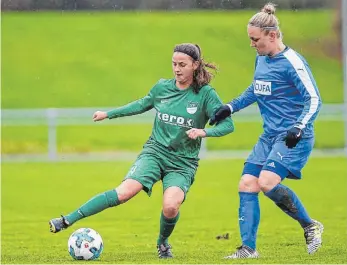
<point x="54" y="117"/>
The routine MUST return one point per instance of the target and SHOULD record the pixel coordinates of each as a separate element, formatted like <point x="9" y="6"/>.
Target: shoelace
<point x="310" y="233"/>
<point x="162" y="249"/>
<point x="241" y="252"/>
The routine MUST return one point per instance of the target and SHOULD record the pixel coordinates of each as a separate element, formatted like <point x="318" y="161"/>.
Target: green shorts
<point x="151" y="167"/>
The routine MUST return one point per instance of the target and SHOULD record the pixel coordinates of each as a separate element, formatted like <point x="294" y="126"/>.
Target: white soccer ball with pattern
<point x="85" y="244"/>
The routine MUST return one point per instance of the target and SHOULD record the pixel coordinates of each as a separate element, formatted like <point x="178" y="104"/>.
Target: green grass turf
<point x="108" y="59"/>
<point x="117" y="137"/>
<point x="34" y="193"/>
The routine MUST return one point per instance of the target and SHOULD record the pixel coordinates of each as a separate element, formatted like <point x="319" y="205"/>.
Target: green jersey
<point x="176" y="112"/>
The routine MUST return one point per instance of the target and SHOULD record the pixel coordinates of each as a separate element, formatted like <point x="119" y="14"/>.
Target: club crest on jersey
<point x="262" y="88"/>
<point x="192" y="107"/>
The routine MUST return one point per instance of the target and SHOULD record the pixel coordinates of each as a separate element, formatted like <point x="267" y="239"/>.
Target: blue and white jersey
<point x="285" y="91"/>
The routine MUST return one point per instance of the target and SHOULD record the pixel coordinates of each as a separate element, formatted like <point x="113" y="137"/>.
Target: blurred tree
<point x="46" y="4"/>
<point x="218" y="4"/>
<point x="158" y="4"/>
<point x="69" y="5"/>
<point x="16" y="4"/>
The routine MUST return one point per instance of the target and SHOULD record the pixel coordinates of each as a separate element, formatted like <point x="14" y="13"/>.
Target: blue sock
<point x="287" y="200"/>
<point x="249" y="217"/>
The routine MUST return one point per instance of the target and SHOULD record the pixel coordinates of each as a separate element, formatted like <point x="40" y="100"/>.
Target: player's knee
<point x="173" y="198"/>
<point x="249" y="183"/>
<point x="170" y="210"/>
<point x="128" y="189"/>
<point x="123" y="195"/>
<point x="268" y="180"/>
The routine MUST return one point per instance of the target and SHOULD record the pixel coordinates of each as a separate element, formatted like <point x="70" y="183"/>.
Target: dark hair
<point x="201" y="75"/>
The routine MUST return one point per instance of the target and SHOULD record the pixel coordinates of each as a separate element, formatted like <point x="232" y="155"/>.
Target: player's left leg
<point x="249" y="208"/>
<point x="175" y="185"/>
<point x="284" y="162"/>
<point x="141" y="176"/>
<point x="100" y="202"/>
<point x="172" y="200"/>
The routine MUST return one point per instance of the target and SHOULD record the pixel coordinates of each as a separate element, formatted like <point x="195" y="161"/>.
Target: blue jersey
<point x="286" y="93"/>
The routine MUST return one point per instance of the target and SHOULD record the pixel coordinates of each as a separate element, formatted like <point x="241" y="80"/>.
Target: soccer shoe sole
<point x="52" y="227"/>
<point x="321" y="229"/>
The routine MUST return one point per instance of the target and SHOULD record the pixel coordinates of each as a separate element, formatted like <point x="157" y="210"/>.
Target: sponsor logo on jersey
<point x="262" y="88"/>
<point x="175" y="120"/>
<point x="192" y="107"/>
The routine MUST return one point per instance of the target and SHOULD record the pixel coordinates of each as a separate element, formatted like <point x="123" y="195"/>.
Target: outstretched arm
<point x="136" y="107"/>
<point x="222" y="128"/>
<point x="244" y="100"/>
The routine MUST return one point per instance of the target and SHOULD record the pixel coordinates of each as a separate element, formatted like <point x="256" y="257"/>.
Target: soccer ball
<point x="85" y="244"/>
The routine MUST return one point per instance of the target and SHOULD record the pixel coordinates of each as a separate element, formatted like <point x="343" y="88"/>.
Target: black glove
<point x="222" y="113"/>
<point x="293" y="137"/>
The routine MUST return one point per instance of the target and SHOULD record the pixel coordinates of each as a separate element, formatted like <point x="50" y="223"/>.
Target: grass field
<point x="84" y="139"/>
<point x="108" y="59"/>
<point x="33" y="193"/>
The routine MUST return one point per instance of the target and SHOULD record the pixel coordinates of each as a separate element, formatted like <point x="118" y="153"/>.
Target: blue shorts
<point x="271" y="153"/>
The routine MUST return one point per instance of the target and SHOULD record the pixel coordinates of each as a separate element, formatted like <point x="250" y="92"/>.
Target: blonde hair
<point x="266" y="20"/>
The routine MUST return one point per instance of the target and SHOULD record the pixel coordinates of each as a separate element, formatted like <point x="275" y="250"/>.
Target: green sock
<point x="167" y="225"/>
<point x="95" y="205"/>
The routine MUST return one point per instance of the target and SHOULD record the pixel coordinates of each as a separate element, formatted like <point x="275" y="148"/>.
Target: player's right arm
<point x="133" y="108"/>
<point x="244" y="100"/>
<point x="136" y="107"/>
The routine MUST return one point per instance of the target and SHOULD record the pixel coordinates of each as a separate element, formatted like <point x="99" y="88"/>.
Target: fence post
<point x="52" y="134"/>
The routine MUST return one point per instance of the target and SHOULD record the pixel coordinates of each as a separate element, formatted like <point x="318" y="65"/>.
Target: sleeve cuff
<point x="299" y="126"/>
<point x="109" y="114"/>
<point x="208" y="132"/>
<point x="230" y="107"/>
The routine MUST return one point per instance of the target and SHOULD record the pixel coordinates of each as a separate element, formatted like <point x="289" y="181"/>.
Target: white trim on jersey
<point x="230" y="107"/>
<point x="301" y="70"/>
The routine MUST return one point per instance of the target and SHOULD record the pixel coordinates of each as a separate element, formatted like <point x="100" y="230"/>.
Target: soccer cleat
<point x="58" y="224"/>
<point x="244" y="252"/>
<point x="164" y="251"/>
<point x="313" y="235"/>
